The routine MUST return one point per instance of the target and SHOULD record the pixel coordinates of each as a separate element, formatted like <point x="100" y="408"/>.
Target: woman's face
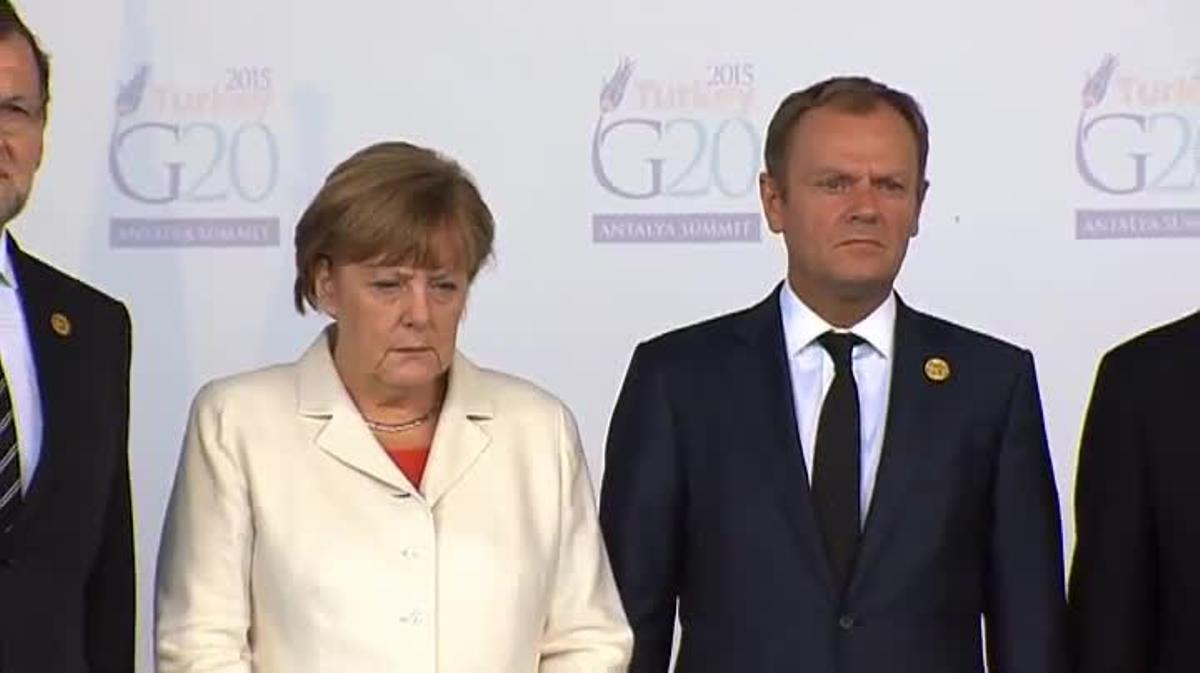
<point x="396" y="325"/>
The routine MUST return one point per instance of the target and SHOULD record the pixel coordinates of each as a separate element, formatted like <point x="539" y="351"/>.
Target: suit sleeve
<point x="202" y="616"/>
<point x="110" y="611"/>
<point x="586" y="630"/>
<point x="1025" y="599"/>
<point x="1113" y="591"/>
<point x="641" y="511"/>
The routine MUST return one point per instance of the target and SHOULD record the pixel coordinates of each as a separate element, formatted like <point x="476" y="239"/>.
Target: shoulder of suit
<point x="507" y="389"/>
<point x="536" y="410"/>
<point x="697" y="339"/>
<point x="270" y="384"/>
<point x="937" y="331"/>
<point x="39" y="271"/>
<point x="714" y="334"/>
<point x="1168" y="344"/>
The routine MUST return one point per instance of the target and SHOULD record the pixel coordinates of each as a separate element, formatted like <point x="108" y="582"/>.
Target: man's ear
<point x="920" y="205"/>
<point x="770" y="192"/>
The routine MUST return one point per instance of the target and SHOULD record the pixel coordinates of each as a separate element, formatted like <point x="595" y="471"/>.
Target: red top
<point x="411" y="462"/>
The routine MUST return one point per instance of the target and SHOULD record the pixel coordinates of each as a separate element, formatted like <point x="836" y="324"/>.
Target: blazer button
<point x="846" y="622"/>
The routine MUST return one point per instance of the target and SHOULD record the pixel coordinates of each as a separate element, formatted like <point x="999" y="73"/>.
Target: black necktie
<point x="836" y="468"/>
<point x="10" y="460"/>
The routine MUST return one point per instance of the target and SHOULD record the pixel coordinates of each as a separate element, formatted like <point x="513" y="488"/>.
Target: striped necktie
<point x="10" y="460"/>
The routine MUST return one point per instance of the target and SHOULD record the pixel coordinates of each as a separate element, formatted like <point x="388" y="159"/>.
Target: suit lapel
<point x="59" y="359"/>
<point x="458" y="442"/>
<point x="914" y="410"/>
<point x="770" y="403"/>
<point x="343" y="434"/>
<point x="350" y="442"/>
<point x="461" y="436"/>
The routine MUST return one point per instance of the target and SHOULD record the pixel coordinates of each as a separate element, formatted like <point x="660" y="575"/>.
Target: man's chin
<point x="11" y="205"/>
<point x="864" y="289"/>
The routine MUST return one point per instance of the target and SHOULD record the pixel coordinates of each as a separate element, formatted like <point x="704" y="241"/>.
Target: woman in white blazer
<point x="382" y="504"/>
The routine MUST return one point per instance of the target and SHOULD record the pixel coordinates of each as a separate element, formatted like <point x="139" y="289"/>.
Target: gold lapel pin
<point x="61" y="324"/>
<point x="937" y="370"/>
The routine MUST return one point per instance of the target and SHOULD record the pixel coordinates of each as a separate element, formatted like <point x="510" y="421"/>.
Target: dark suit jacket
<point x="1135" y="582"/>
<point x="66" y="565"/>
<point x="706" y="500"/>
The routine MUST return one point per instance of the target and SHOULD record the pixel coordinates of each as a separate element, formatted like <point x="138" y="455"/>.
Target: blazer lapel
<point x="459" y="441"/>
<point x="914" y="409"/>
<point x="770" y="405"/>
<point x="343" y="434"/>
<point x="58" y="358"/>
<point x="461" y="436"/>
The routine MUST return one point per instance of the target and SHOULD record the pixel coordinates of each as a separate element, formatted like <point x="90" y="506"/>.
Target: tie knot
<point x="839" y="345"/>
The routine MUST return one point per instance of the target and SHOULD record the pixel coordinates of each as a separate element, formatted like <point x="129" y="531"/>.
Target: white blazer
<point x="293" y="544"/>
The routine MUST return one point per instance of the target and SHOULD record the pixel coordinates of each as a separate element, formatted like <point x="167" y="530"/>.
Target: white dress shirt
<point x="16" y="353"/>
<point x="812" y="371"/>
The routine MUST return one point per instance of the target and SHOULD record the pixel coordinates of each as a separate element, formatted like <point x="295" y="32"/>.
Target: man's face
<point x="22" y="120"/>
<point x="847" y="203"/>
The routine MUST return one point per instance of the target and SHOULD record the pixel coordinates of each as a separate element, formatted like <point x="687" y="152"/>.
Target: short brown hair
<point x="848" y="94"/>
<point x="395" y="202"/>
<point x="10" y="23"/>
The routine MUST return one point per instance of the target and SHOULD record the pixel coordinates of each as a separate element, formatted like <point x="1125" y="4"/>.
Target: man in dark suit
<point x="830" y="481"/>
<point x="1135" y="587"/>
<point x="66" y="538"/>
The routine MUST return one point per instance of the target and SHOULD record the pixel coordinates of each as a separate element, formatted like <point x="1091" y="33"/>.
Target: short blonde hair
<point x="397" y="203"/>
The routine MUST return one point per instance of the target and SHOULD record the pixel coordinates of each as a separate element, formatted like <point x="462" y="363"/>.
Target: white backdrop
<point x="1039" y="111"/>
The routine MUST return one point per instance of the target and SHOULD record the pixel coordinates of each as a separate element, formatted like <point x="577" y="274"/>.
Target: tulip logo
<point x="675" y="159"/>
<point x="1134" y="153"/>
<point x="194" y="166"/>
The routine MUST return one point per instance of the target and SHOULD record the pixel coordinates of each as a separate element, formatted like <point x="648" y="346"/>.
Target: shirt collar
<point x="802" y="325"/>
<point x="7" y="277"/>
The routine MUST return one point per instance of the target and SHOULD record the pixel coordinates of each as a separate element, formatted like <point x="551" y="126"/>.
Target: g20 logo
<point x="220" y="173"/>
<point x="702" y="171"/>
<point x="1174" y="167"/>
<point x="231" y="161"/>
<point x="702" y="168"/>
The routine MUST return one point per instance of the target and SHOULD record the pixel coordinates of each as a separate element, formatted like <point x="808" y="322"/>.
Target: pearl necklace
<point x="379" y="426"/>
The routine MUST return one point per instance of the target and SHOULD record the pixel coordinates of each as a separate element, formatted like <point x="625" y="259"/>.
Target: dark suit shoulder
<point x="710" y="338"/>
<point x="46" y="288"/>
<point x="700" y="339"/>
<point x="1169" y="354"/>
<point x="941" y="331"/>
<point x="36" y="271"/>
<point x="1165" y="343"/>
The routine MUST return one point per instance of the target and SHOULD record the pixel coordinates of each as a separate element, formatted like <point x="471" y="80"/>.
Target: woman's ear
<point x="326" y="286"/>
